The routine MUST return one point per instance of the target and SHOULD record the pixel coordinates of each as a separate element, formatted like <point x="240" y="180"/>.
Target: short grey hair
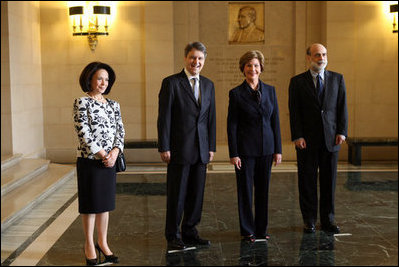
<point x="195" y="45"/>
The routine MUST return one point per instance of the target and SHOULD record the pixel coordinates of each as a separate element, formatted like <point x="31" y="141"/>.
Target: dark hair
<point x="90" y="70"/>
<point x="248" y="56"/>
<point x="195" y="45"/>
<point x="308" y="51"/>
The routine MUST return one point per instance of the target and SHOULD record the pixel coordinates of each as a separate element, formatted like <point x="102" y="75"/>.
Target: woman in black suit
<point x="99" y="126"/>
<point x="253" y="129"/>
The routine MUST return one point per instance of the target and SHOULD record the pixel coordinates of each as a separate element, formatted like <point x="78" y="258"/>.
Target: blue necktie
<point x="319" y="86"/>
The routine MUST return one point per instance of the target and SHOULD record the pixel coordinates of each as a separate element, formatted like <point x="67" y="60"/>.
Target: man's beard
<point x="316" y="67"/>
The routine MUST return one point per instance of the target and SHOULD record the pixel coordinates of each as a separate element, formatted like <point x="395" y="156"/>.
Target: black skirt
<point x="96" y="186"/>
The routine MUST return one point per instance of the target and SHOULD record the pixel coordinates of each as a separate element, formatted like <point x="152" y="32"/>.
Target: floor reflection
<point x="253" y="254"/>
<point x="358" y="181"/>
<point x="366" y="211"/>
<point x="186" y="258"/>
<point x="317" y="249"/>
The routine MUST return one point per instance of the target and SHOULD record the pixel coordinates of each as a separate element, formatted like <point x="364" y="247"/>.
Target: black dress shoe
<point x="176" y="244"/>
<point x="309" y="228"/>
<point x="249" y="238"/>
<point x="331" y="228"/>
<point x="196" y="241"/>
<point x="265" y="237"/>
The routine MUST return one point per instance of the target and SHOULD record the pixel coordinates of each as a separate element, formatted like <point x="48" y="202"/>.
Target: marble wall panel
<point x="146" y="44"/>
<point x="25" y="79"/>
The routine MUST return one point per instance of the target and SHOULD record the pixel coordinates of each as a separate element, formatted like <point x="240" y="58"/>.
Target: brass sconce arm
<point x="90" y="27"/>
<point x="394" y="9"/>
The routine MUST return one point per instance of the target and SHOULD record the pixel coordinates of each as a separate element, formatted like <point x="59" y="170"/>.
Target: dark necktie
<point x="319" y="86"/>
<point x="258" y="97"/>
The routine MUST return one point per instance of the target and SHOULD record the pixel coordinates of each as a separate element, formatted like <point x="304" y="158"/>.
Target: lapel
<point x="327" y="90"/>
<point x="249" y="98"/>
<point x="263" y="97"/>
<point x="310" y="84"/>
<point x="185" y="84"/>
<point x="245" y="94"/>
<point x="204" y="97"/>
<point x="265" y="108"/>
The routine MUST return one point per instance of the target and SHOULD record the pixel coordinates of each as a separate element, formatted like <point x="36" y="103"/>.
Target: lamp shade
<point x="104" y="10"/>
<point x="76" y="10"/>
<point x="90" y="24"/>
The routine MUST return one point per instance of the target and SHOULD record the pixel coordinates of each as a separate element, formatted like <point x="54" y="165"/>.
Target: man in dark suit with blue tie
<point x="186" y="142"/>
<point x="319" y="125"/>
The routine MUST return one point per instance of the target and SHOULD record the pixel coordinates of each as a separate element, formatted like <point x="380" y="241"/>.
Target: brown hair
<point x="248" y="56"/>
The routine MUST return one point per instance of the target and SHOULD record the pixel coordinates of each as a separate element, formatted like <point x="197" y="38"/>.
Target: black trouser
<point x="255" y="173"/>
<point x="309" y="161"/>
<point x="185" y="192"/>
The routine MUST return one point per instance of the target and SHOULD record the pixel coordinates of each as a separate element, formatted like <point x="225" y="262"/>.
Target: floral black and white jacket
<point x="98" y="125"/>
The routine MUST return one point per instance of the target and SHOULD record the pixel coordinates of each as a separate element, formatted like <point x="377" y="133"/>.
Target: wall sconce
<point x="90" y="23"/>
<point x="394" y="9"/>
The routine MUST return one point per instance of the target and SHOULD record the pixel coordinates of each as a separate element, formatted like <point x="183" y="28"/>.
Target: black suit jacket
<point x="253" y="130"/>
<point x="317" y="121"/>
<point x="186" y="128"/>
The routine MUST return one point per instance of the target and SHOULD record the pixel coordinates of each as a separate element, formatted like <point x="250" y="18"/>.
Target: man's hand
<point x="165" y="156"/>
<point x="339" y="139"/>
<point x="300" y="143"/>
<point x="236" y="161"/>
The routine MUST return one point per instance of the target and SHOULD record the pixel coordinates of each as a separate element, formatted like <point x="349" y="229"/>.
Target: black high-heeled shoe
<point x="108" y="258"/>
<point x="90" y="261"/>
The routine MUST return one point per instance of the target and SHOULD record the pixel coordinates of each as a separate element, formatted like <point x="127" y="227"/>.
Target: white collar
<point x="189" y="76"/>
<point x="314" y="74"/>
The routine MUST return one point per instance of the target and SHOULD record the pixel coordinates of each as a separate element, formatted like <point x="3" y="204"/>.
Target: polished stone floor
<point x="366" y="211"/>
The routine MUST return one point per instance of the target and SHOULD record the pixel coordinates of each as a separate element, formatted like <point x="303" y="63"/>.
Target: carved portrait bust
<point x="246" y="29"/>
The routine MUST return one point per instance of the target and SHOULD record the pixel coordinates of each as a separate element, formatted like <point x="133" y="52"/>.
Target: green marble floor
<point x="366" y="211"/>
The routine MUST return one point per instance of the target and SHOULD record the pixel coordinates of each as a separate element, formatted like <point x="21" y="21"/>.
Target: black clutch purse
<point x="120" y="163"/>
